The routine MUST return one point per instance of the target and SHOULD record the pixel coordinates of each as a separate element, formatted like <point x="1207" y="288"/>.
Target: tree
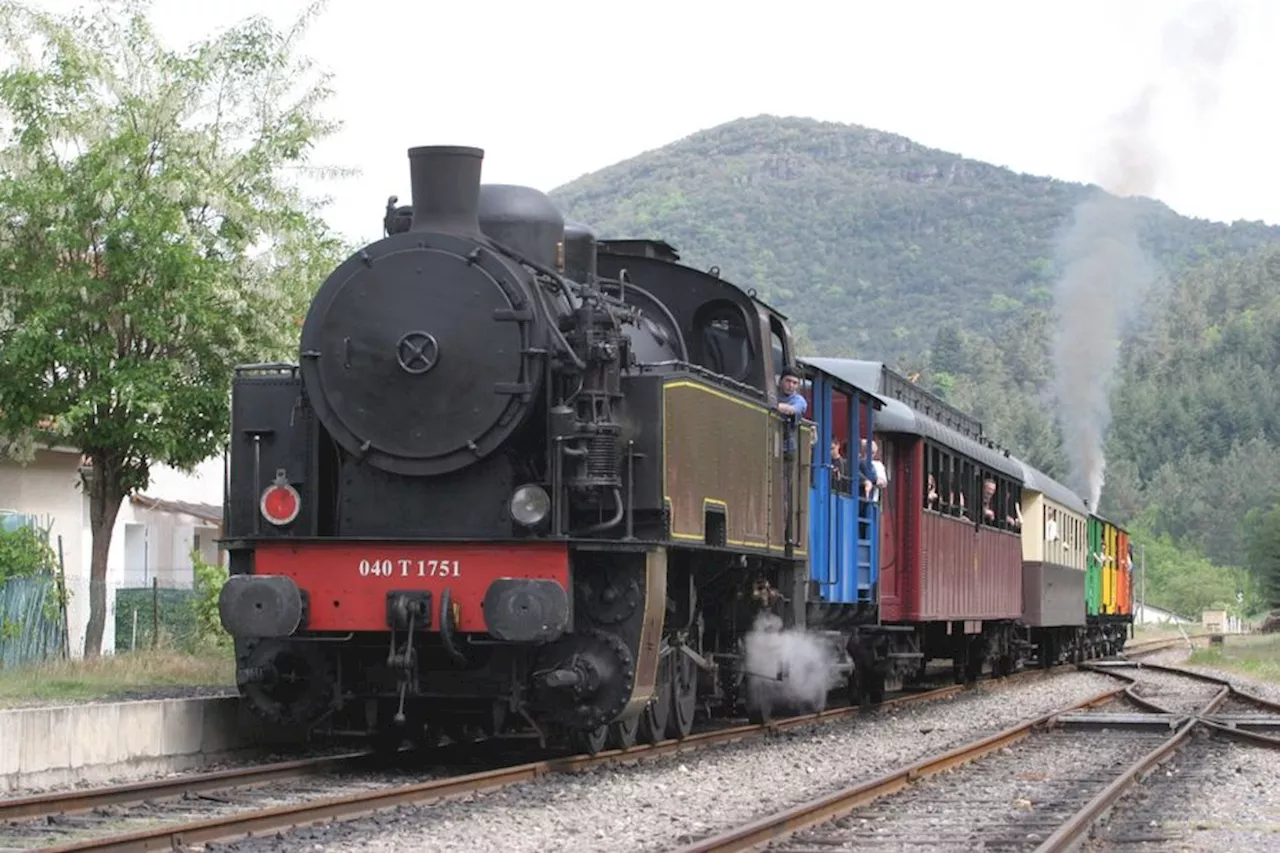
<point x="1263" y="538"/>
<point x="150" y="238"/>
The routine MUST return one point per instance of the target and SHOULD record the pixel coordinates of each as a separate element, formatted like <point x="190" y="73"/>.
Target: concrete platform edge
<point x="115" y="741"/>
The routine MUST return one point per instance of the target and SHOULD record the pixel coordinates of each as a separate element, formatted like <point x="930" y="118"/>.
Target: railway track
<point x="1039" y="786"/>
<point x="171" y="802"/>
<point x="204" y="807"/>
<point x="87" y="800"/>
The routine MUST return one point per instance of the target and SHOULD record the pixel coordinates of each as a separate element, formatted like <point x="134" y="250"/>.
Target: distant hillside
<point x="867" y="240"/>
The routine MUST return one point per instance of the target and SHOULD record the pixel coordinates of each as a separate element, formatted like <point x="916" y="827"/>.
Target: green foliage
<point x="164" y="618"/>
<point x="1263" y="548"/>
<point x="150" y="234"/>
<point x="177" y="619"/>
<point x="1188" y="584"/>
<point x="854" y="232"/>
<point x="1194" y="448"/>
<point x="209" y="579"/>
<point x="25" y="552"/>
<point x="881" y="248"/>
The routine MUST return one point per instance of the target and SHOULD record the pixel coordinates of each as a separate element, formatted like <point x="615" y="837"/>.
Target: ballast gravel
<point x="1211" y="795"/>
<point x="1178" y="657"/>
<point x="1010" y="800"/>
<point x="668" y="803"/>
<point x="1175" y="693"/>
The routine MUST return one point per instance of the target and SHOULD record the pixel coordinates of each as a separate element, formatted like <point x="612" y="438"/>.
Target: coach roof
<point x="1039" y="481"/>
<point x="897" y="416"/>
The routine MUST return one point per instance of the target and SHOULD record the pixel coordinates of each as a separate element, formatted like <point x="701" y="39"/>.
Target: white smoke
<point x="1105" y="271"/>
<point x="805" y="661"/>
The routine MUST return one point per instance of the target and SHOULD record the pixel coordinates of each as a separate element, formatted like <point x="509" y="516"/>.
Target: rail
<point x="1070" y="832"/>
<point x="284" y="817"/>
<point x="232" y="826"/>
<point x="70" y="802"/>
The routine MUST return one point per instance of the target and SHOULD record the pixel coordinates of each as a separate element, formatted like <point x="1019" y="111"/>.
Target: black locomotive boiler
<point x="520" y="479"/>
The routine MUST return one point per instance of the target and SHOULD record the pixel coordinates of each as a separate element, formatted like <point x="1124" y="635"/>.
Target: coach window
<point x="947" y="485"/>
<point x="1008" y="506"/>
<point x="932" y="477"/>
<point x="944" y="480"/>
<point x="988" y="496"/>
<point x="1054" y="534"/>
<point x="997" y="500"/>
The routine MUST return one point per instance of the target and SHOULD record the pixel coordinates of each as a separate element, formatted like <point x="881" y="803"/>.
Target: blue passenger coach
<point x="844" y="527"/>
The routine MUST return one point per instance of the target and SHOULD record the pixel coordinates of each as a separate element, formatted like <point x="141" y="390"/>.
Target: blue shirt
<point x="789" y="434"/>
<point x="800" y="403"/>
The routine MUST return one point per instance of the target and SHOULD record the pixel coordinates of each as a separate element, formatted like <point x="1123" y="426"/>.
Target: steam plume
<point x="1105" y="273"/>
<point x="804" y="659"/>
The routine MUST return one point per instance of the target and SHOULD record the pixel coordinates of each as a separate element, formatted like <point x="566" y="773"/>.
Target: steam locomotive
<point x="524" y="479"/>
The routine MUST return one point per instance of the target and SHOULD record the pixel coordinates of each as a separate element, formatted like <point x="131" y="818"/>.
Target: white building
<point x="153" y="537"/>
<point x="1149" y="614"/>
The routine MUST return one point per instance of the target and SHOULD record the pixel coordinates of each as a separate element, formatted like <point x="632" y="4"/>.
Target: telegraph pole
<point x="1142" y="559"/>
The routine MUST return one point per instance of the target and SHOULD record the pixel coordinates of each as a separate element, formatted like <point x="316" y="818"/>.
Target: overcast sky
<point x="553" y="90"/>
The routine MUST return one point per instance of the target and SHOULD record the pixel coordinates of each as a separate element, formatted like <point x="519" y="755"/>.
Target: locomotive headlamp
<point x="530" y="504"/>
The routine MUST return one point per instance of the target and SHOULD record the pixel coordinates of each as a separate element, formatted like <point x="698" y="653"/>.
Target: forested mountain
<point x="1193" y="460"/>
<point x="821" y="217"/>
<point x="881" y="248"/>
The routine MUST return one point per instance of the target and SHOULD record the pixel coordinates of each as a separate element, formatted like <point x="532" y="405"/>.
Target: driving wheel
<point x="622" y="734"/>
<point x="589" y="741"/>
<point x="653" y="719"/>
<point x="684" y="695"/>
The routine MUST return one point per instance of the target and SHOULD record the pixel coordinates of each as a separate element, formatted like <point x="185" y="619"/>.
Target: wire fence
<point x="174" y="608"/>
<point x="32" y="626"/>
<point x="155" y="616"/>
<point x="33" y="616"/>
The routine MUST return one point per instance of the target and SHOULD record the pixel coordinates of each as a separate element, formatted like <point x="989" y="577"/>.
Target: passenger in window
<point x="959" y="504"/>
<point x="839" y="467"/>
<point x="866" y="471"/>
<point x="988" y="498"/>
<point x="882" y="473"/>
<point x="931" y="493"/>
<point x="1015" y="521"/>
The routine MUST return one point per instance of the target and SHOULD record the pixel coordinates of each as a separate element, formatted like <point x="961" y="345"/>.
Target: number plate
<point x="409" y="568"/>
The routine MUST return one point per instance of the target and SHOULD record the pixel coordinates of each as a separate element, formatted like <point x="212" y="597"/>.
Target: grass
<point x="115" y="675"/>
<point x="1256" y="656"/>
<point x="1162" y="631"/>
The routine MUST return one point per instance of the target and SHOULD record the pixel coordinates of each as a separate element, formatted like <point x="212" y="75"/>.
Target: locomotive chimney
<point x="446" y="188"/>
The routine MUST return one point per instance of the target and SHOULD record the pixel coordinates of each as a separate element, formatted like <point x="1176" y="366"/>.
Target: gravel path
<point x="665" y="804"/>
<point x="1212" y="795"/>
